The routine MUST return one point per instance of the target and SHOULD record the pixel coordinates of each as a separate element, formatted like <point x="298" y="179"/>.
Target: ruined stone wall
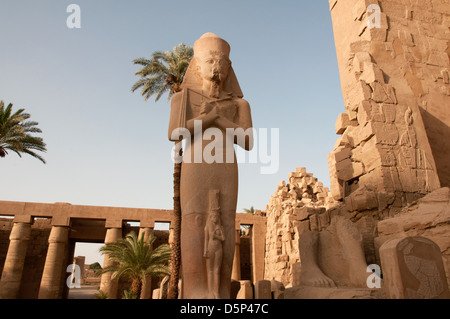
<point x="395" y="144"/>
<point x="296" y="206"/>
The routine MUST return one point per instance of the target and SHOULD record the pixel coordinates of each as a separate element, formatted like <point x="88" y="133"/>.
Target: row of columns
<point x="50" y="287"/>
<point x="54" y="268"/>
<point x="55" y="262"/>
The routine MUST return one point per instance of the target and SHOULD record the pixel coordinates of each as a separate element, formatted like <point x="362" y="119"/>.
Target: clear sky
<point x="108" y="147"/>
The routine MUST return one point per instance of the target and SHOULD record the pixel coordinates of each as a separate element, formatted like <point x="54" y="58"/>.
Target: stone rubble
<point x="298" y="205"/>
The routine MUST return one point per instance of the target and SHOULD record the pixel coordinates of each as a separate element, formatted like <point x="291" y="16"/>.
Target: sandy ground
<point x="85" y="292"/>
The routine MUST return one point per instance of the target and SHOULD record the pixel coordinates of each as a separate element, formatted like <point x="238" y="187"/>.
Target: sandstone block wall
<point x="395" y="144"/>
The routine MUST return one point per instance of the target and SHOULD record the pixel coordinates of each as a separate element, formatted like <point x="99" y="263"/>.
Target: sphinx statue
<point x="209" y="115"/>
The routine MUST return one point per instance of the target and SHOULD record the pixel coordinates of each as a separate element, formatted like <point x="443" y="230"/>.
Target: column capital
<point x="146" y="231"/>
<point x="112" y="235"/>
<point x="147" y="223"/>
<point x="113" y="223"/>
<point x="63" y="221"/>
<point x="26" y="219"/>
<point x="20" y="231"/>
<point x="59" y="234"/>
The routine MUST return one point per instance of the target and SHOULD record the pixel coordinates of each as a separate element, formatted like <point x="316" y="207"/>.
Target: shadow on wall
<point x="439" y="138"/>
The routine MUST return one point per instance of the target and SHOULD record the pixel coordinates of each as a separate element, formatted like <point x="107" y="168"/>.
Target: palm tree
<point x="165" y="73"/>
<point x="134" y="259"/>
<point x="15" y="133"/>
<point x="95" y="266"/>
<point x="250" y="211"/>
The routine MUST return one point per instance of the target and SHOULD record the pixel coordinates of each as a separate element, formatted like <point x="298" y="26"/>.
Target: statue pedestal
<point x="306" y="292"/>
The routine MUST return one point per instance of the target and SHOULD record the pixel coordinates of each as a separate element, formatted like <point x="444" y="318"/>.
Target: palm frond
<point x="133" y="258"/>
<point x="250" y="211"/>
<point x="142" y="61"/>
<point x="15" y="133"/>
<point x="163" y="73"/>
<point x="34" y="154"/>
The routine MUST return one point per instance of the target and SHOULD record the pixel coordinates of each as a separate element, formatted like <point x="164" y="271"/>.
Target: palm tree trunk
<point x="136" y="287"/>
<point x="176" y="244"/>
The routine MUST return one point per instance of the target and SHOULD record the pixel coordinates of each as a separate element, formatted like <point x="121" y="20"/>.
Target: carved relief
<point x="213" y="245"/>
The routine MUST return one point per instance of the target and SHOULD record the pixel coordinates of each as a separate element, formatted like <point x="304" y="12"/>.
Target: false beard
<point x="216" y="79"/>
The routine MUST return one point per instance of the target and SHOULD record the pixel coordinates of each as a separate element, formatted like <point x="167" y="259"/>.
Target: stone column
<point x="236" y="272"/>
<point x="15" y="261"/>
<point x="259" y="230"/>
<point x="54" y="263"/>
<point x="146" y="292"/>
<point x="80" y="262"/>
<point x="108" y="285"/>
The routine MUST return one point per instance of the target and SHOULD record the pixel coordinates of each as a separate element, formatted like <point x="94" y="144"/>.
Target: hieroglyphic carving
<point x="413" y="269"/>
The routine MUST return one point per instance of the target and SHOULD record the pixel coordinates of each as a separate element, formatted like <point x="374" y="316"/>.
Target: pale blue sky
<point x="108" y="147"/>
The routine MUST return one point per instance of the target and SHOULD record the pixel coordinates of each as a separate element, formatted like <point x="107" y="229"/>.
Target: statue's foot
<point x="359" y="275"/>
<point x="316" y="278"/>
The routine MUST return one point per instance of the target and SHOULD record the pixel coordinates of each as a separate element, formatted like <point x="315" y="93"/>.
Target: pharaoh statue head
<point x="211" y="63"/>
<point x="212" y="55"/>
